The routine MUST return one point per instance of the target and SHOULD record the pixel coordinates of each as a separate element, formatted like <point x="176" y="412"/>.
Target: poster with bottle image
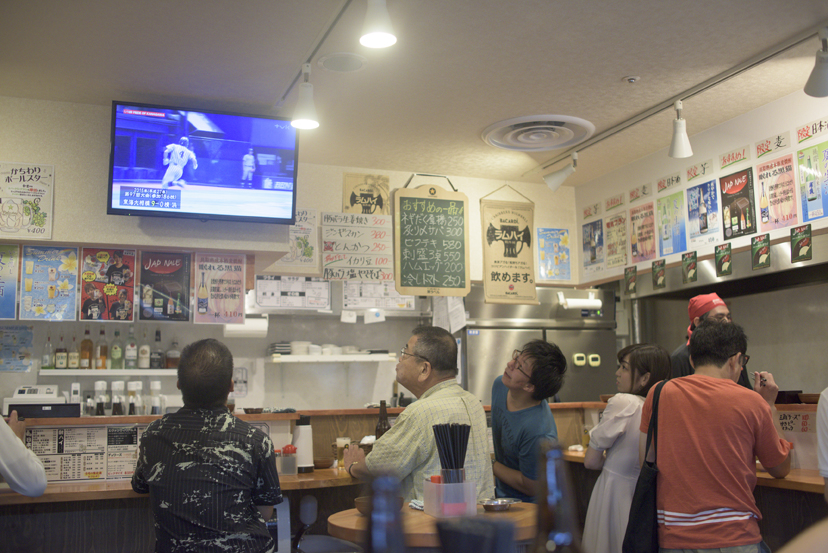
<point x="616" y="242"/>
<point x="813" y="181"/>
<point x="724" y="261"/>
<point x="592" y="239"/>
<point x="219" y="288"/>
<point x="108" y="284"/>
<point x="630" y="275"/>
<point x="642" y="233"/>
<point x="738" y="209"/>
<point x="777" y="194"/>
<point x="801" y="247"/>
<point x="670" y="224"/>
<point x="9" y="262"/>
<point x="49" y="281"/>
<point x="659" y="274"/>
<point x="703" y="213"/>
<point x="553" y="254"/>
<point x="164" y="287"/>
<point x="760" y="252"/>
<point x="688" y="267"/>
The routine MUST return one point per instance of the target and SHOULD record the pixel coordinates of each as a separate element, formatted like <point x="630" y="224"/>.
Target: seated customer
<point x="19" y="467"/>
<point x="211" y="477"/>
<point x="521" y="418"/>
<point x="427" y="367"/>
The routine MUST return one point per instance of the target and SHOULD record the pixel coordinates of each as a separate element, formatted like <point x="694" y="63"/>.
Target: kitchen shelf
<point x="108" y="372"/>
<point x="354" y="358"/>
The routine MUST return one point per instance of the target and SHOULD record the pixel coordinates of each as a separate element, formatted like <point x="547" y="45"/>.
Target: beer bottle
<point x="382" y="423"/>
<point x="557" y="513"/>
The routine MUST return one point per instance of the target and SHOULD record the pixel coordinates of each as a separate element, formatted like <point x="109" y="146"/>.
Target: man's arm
<point x="354" y="458"/>
<point x="766" y="387"/>
<point x="514" y="478"/>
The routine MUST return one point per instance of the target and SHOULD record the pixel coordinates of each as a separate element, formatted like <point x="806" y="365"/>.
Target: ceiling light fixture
<point x="817" y="85"/>
<point x="680" y="146"/>
<point x="555" y="179"/>
<point x="304" y="114"/>
<point x="377" y="31"/>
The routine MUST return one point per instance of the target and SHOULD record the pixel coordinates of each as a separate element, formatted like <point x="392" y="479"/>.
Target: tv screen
<point x="175" y="162"/>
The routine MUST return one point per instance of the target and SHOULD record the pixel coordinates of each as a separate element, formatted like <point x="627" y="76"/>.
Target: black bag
<point x="642" y="528"/>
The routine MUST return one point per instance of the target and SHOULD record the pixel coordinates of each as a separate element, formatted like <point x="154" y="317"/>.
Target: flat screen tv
<point x="176" y="162"/>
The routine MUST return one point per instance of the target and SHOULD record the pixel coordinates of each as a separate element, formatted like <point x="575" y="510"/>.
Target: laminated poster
<point x="724" y="260"/>
<point x="553" y="254"/>
<point x="16" y="350"/>
<point x="703" y="213"/>
<point x="365" y="194"/>
<point x="616" y="242"/>
<point x="630" y="275"/>
<point x="26" y="201"/>
<point x="777" y="194"/>
<point x="659" y="274"/>
<point x="304" y="243"/>
<point x="813" y="181"/>
<point x="593" y="241"/>
<point x="50" y="283"/>
<point x="219" y="288"/>
<point x="9" y="266"/>
<point x="760" y="251"/>
<point x="801" y="247"/>
<point x="508" y="255"/>
<point x="688" y="267"/>
<point x="670" y="220"/>
<point x="165" y="287"/>
<point x="642" y="233"/>
<point x="108" y="284"/>
<point x="738" y="210"/>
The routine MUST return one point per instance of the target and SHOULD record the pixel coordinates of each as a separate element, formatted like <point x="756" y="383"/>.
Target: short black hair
<point x="438" y="347"/>
<point x="549" y="366"/>
<point x="205" y="373"/>
<point x="714" y="343"/>
<point x="647" y="359"/>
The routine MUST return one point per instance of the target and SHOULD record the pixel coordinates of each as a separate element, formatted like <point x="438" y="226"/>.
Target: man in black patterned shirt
<point x="211" y="477"/>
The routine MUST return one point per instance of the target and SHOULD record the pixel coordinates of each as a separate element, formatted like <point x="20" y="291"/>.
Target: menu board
<point x="431" y="229"/>
<point x="293" y="292"/>
<point x="372" y="295"/>
<point x="357" y="247"/>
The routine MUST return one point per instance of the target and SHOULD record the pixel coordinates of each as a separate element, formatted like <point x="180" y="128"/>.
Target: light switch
<point x="579" y="359"/>
<point x="594" y="360"/>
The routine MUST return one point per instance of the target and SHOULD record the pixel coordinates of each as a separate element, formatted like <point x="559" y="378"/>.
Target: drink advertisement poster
<point x="724" y="261"/>
<point x="659" y="274"/>
<point x="616" y="242"/>
<point x="9" y="262"/>
<point x="164" y="286"/>
<point x="630" y="274"/>
<point x="593" y="241"/>
<point x="688" y="267"/>
<point x="26" y="201"/>
<point x="50" y="284"/>
<point x="670" y="220"/>
<point x="703" y="213"/>
<point x="813" y="181"/>
<point x="777" y="193"/>
<point x="108" y="284"/>
<point x="760" y="253"/>
<point x="304" y="243"/>
<point x="642" y="233"/>
<point x="801" y="249"/>
<point x="219" y="288"/>
<point x="553" y="254"/>
<point x="508" y="254"/>
<point x="738" y="211"/>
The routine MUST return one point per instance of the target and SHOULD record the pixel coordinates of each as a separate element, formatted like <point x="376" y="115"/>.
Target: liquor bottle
<point x="734" y="218"/>
<point x="382" y="423"/>
<point x="592" y="252"/>
<point x="702" y="213"/>
<point x="726" y="213"/>
<point x="557" y="527"/>
<point x="202" y="296"/>
<point x="74" y="354"/>
<point x="173" y="355"/>
<point x="87" y="350"/>
<point x="144" y="352"/>
<point x="743" y="225"/>
<point x="178" y="304"/>
<point x="157" y="353"/>
<point x="666" y="233"/>
<point x="811" y="187"/>
<point x="61" y="355"/>
<point x="385" y="533"/>
<point x="116" y="352"/>
<point x="634" y="242"/>
<point x="131" y="350"/>
<point x="763" y="206"/>
<point x="102" y="351"/>
<point x="170" y="306"/>
<point x="47" y="360"/>
<point x="747" y="219"/>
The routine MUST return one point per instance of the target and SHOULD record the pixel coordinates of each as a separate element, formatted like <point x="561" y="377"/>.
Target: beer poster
<point x="630" y="274"/>
<point x="724" y="260"/>
<point x="689" y="271"/>
<point x="670" y="221"/>
<point x="738" y="211"/>
<point x="508" y="259"/>
<point x="703" y="213"/>
<point x="592" y="239"/>
<point x="760" y="252"/>
<point x="642" y="233"/>
<point x="50" y="284"/>
<point x="659" y="274"/>
<point x="553" y="254"/>
<point x="219" y="288"/>
<point x="616" y="242"/>
<point x="9" y="267"/>
<point x="108" y="284"/>
<point x="365" y="194"/>
<point x="777" y="193"/>
<point x="813" y="181"/>
<point x="165" y="286"/>
<point x="801" y="248"/>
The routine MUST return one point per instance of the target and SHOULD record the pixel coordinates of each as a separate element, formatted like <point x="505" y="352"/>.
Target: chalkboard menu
<point x="431" y="230"/>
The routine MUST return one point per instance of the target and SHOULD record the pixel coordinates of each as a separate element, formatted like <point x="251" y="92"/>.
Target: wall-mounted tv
<point x="176" y="162"/>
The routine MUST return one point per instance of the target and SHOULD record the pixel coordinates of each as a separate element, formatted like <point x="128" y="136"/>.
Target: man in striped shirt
<point x="710" y="431"/>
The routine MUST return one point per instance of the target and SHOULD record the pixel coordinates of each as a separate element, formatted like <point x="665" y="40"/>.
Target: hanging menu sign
<point x="292" y="292"/>
<point x="724" y="262"/>
<point x="630" y="275"/>
<point x="27" y="197"/>
<point x="357" y="247"/>
<point x="375" y="295"/>
<point x="431" y="229"/>
<point x="659" y="271"/>
<point x="801" y="244"/>
<point x="688" y="267"/>
<point x="760" y="251"/>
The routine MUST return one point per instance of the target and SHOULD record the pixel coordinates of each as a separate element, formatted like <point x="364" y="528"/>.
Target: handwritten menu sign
<point x="293" y="292"/>
<point x="431" y="229"/>
<point x="357" y="247"/>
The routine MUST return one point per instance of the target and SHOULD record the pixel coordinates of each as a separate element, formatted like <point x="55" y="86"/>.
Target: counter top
<point x="143" y="419"/>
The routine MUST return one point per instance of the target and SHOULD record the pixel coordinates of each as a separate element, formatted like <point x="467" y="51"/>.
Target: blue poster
<point x="553" y="254"/>
<point x="9" y="260"/>
<point x="703" y="213"/>
<point x="16" y="348"/>
<point x="669" y="219"/>
<point x="593" y="241"/>
<point x="49" y="283"/>
<point x="813" y="181"/>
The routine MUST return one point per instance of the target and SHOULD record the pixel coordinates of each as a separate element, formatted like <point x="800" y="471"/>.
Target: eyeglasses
<point x="515" y="355"/>
<point x="403" y="353"/>
<point x="745" y="358"/>
<point x="719" y="317"/>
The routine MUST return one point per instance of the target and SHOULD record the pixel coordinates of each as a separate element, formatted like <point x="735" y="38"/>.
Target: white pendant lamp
<point x="817" y="85"/>
<point x="377" y="31"/>
<point x="680" y="147"/>
<point x="304" y="114"/>
<point x="555" y="179"/>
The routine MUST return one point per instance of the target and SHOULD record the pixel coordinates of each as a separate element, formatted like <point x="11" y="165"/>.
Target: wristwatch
<point x="349" y="469"/>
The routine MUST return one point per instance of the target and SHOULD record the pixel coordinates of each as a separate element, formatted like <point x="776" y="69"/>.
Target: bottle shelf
<point x="349" y="358"/>
<point x="107" y="372"/>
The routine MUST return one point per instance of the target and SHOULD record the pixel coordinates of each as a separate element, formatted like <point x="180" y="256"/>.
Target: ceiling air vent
<point x="538" y="133"/>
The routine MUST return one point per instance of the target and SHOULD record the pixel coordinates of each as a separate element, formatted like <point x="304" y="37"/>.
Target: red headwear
<point x="700" y="305"/>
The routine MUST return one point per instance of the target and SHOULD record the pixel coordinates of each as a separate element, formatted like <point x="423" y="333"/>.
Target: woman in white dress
<point x="640" y="366"/>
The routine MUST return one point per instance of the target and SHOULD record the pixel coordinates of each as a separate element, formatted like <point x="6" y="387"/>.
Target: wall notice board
<point x="431" y="229"/>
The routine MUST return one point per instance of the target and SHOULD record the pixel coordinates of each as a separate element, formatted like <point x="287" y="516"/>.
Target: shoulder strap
<point x="652" y="431"/>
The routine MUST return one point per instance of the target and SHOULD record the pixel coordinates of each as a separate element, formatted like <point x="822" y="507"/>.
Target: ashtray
<point x="499" y="504"/>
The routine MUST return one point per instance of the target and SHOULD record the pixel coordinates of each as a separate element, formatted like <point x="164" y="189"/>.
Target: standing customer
<point x="822" y="438"/>
<point x="521" y="418"/>
<point x="19" y="467"/>
<point x="211" y="477"/>
<point x="640" y="366"/>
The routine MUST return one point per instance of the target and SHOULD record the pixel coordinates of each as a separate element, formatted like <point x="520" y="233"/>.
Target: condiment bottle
<point x="48" y="358"/>
<point x="382" y="424"/>
<point x="118" y="398"/>
<point x="289" y="459"/>
<point x="100" y="398"/>
<point x="61" y="355"/>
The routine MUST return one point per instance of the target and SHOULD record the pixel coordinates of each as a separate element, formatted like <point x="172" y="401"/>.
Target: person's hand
<point x="353" y="454"/>
<point x="17" y="426"/>
<point x="764" y="384"/>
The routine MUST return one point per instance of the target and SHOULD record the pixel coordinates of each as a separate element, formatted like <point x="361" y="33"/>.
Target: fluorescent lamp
<point x="680" y="147"/>
<point x="817" y="85"/>
<point x="580" y="303"/>
<point x="377" y="31"/>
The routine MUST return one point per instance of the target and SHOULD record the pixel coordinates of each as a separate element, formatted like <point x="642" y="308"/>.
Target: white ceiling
<point x="421" y="105"/>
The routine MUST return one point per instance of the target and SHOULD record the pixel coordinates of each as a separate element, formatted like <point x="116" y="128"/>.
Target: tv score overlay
<point x="139" y="196"/>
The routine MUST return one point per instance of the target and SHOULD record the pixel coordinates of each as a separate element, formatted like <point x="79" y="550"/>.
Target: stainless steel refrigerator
<point x="586" y="337"/>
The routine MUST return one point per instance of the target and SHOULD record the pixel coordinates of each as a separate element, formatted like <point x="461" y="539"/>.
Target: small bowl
<point x="253" y="410"/>
<point x="499" y="504"/>
<point x="363" y="504"/>
<point x="809" y="398"/>
<point x="322" y="463"/>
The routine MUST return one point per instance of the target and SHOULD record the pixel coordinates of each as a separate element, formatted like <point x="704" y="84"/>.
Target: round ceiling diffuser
<point x="538" y="133"/>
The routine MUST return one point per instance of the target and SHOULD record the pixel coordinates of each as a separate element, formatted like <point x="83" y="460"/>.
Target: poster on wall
<point x="304" y="243"/>
<point x="688" y="267"/>
<point x="738" y="210"/>
<point x="642" y="233"/>
<point x="9" y="267"/>
<point x="508" y="261"/>
<point x="616" y="242"/>
<point x="724" y="264"/>
<point x="760" y="251"/>
<point x="777" y="193"/>
<point x="801" y="249"/>
<point x="49" y="283"/>
<point x="670" y="217"/>
<point x="219" y="289"/>
<point x="16" y="351"/>
<point x="107" y="291"/>
<point x="659" y="274"/>
<point x="553" y="254"/>
<point x="592" y="240"/>
<point x="703" y="213"/>
<point x="26" y="201"/>
<point x="365" y="194"/>
<point x="630" y="275"/>
<point x="165" y="286"/>
<point x="813" y="181"/>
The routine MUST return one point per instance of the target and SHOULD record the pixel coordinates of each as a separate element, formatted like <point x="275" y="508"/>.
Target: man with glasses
<point x="710" y="433"/>
<point x="521" y="418"/>
<point x="428" y="368"/>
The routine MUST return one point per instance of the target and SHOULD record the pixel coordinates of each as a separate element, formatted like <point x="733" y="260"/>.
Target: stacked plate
<point x="299" y="348"/>
<point x="282" y="348"/>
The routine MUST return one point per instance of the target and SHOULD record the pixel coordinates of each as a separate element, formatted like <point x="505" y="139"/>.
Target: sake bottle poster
<point x="642" y="233"/>
<point x="165" y="286"/>
<point x="593" y="244"/>
<point x="219" y="287"/>
<point x="670" y="224"/>
<point x="9" y="262"/>
<point x="107" y="291"/>
<point x="813" y="181"/>
<point x="777" y="194"/>
<point x="50" y="283"/>
<point x="703" y="213"/>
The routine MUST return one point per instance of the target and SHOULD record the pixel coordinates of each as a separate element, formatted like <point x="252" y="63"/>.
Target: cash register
<point x="39" y="401"/>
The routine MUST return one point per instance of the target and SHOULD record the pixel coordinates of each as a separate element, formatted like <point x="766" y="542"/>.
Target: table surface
<point x="421" y="529"/>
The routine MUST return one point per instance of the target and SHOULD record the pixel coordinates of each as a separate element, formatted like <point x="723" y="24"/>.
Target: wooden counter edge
<point x="144" y="419"/>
